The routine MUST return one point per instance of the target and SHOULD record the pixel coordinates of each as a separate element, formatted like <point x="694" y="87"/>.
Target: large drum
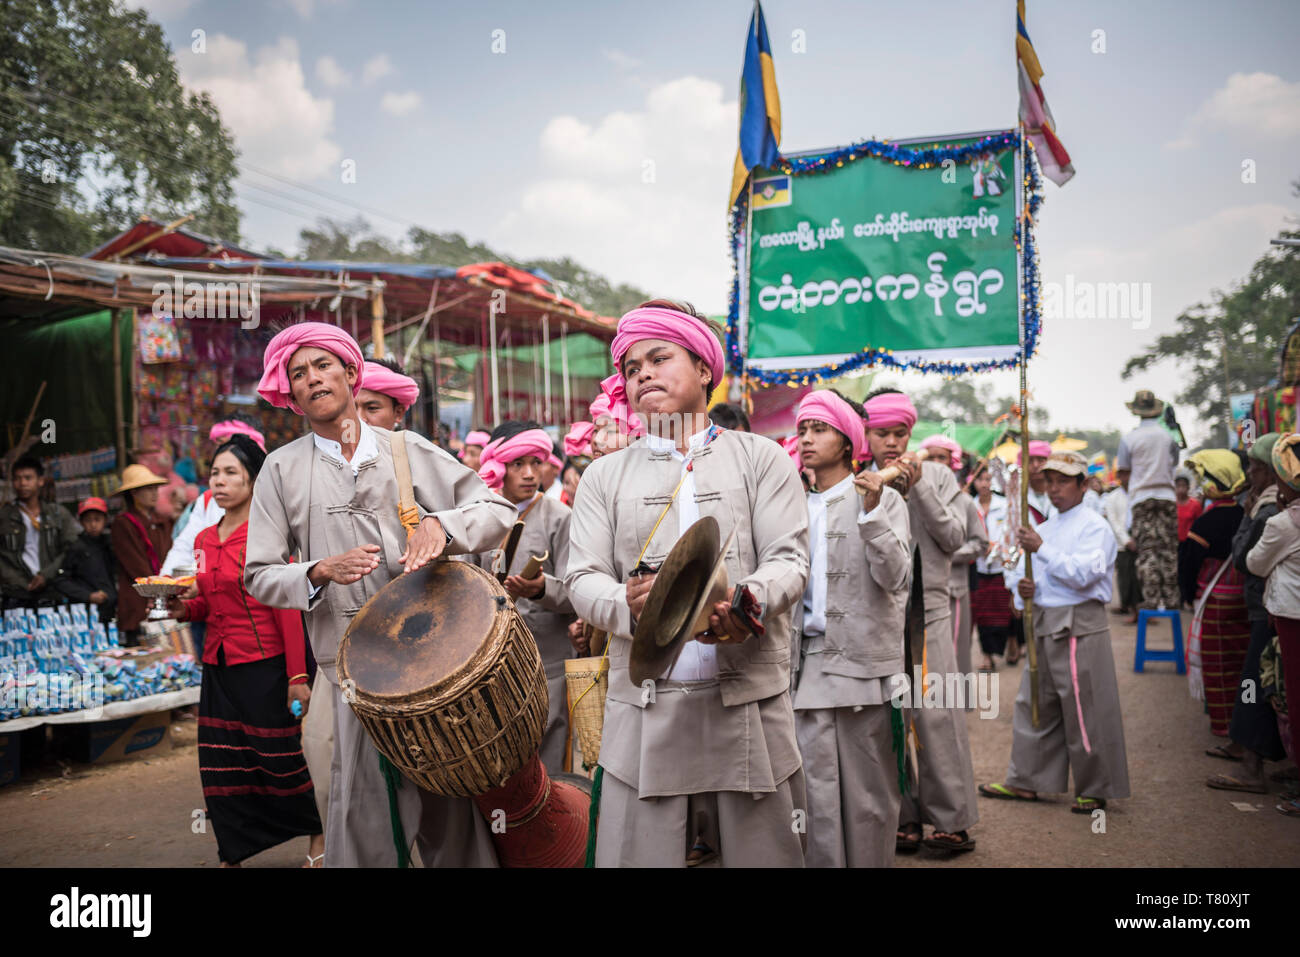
<point x="446" y="678"/>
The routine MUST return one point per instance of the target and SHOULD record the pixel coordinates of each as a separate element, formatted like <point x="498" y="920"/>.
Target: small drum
<point x="446" y="678"/>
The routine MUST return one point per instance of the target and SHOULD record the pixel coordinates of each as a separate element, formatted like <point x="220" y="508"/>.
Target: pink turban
<point x="474" y="438"/>
<point x="943" y="442"/>
<point x="402" y="389"/>
<point x="825" y="406"/>
<point x="578" y="441"/>
<point x="889" y="409"/>
<point x="497" y="455"/>
<point x="656" y="322"/>
<point x="274" y="387"/>
<point x="791" y="445"/>
<point x="555" y="460"/>
<point x="1037" y="449"/>
<point x="224" y="430"/>
<point x="612" y="402"/>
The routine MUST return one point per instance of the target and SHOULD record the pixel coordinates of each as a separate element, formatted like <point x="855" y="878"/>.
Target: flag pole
<point x="1031" y="646"/>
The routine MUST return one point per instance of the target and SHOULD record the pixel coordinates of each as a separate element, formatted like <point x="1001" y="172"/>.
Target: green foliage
<point x="354" y="240"/>
<point x="91" y="106"/>
<point x="1250" y="319"/>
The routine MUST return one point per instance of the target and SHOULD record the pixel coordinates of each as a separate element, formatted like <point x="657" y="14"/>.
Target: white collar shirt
<point x="814" y="596"/>
<point x="367" y="448"/>
<point x="1073" y="564"/>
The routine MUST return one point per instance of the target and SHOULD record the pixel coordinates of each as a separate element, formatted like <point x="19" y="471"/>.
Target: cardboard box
<point x="120" y="739"/>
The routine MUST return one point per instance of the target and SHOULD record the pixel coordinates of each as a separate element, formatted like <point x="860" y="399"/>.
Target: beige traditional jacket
<point x="746" y="482"/>
<point x="938" y="529"/>
<point x="975" y="547"/>
<point x="307" y="505"/>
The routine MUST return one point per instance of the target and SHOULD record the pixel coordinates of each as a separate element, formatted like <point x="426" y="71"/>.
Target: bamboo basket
<point x="587" y="703"/>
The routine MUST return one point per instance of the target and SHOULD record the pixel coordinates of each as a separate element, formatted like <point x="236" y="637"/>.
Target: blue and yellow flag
<point x="760" y="107"/>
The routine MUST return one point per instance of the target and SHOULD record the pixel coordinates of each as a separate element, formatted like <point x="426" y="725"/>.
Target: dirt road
<point x="142" y="813"/>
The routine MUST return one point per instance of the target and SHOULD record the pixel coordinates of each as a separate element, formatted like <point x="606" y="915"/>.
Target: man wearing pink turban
<point x="324" y="535"/>
<point x="943" y="791"/>
<point x="711" y="768"/>
<point x="472" y="449"/>
<point x="512" y="465"/>
<point x="940" y="448"/>
<point x="1040" y="505"/>
<point x="850" y="628"/>
<point x="387" y="395"/>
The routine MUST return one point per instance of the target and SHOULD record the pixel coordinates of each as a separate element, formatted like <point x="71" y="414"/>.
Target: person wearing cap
<point x="140" y="540"/>
<point x="1220" y="629"/>
<point x="1080" y="724"/>
<point x="848" y="633"/>
<point x="1151" y="455"/>
<point x="387" y="395"/>
<point x="703" y="760"/>
<point x="1276" y="556"/>
<point x="34" y="537"/>
<point x="1252" y="731"/>
<point x="88" y="573"/>
<point x="330" y="499"/>
<point x="942" y="792"/>
<point x="512" y="464"/>
<point x="205" y="513"/>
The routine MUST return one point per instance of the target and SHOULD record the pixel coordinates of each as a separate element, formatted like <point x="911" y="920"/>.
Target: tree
<point x="91" y="105"/>
<point x="1231" y="344"/>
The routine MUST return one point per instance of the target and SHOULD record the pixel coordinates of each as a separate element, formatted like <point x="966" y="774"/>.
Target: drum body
<point x="446" y="678"/>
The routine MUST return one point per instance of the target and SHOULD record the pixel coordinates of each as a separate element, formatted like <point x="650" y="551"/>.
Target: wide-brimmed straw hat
<point x="137" y="476"/>
<point x="1145" y="404"/>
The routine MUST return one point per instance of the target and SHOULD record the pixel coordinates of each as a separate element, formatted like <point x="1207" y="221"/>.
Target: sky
<point x="531" y="127"/>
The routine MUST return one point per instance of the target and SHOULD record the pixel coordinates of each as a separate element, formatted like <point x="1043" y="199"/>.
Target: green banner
<point x="876" y="255"/>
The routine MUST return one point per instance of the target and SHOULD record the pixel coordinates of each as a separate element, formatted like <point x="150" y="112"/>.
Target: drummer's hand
<point x="427" y="543"/>
<point x="519" y="587"/>
<point x="723" y="624"/>
<point x="346" y="568"/>
<point x="578" y="637"/>
<point x="638" y="590"/>
<point x="299" y="692"/>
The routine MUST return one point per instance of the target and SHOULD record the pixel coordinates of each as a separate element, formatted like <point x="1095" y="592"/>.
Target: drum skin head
<point x="421" y="629"/>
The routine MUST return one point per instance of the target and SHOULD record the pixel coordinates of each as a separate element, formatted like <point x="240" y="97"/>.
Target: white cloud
<point x="376" y="68"/>
<point x="623" y="61"/>
<point x="1260" y="103"/>
<point x="264" y="101"/>
<point x="330" y="73"/>
<point x="160" y="10"/>
<point x="639" y="196"/>
<point x="399" y="104"/>
<point x="306" y="8"/>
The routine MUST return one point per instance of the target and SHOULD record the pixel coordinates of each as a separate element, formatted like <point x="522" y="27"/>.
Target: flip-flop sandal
<point x="1226" y="782"/>
<point x="1083" y="805"/>
<point x="1219" y="751"/>
<point x="1290" y="808"/>
<point x="1003" y="793"/>
<point x="315" y="862"/>
<point x="966" y="843"/>
<point x="908" y="844"/>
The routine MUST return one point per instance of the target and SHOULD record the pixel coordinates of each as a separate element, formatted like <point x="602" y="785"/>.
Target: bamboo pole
<point x="119" y="411"/>
<point x="1031" y="646"/>
<point x="377" y="323"/>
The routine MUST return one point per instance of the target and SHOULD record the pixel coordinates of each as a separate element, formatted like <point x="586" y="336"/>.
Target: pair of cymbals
<point x="692" y="578"/>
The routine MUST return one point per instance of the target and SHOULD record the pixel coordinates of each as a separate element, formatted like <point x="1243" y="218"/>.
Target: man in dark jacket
<point x="34" y="536"/>
<point x="1253" y="732"/>
<point x="89" y="573"/>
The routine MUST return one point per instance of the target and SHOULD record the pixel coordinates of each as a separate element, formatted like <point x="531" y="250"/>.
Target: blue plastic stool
<point x="1141" y="656"/>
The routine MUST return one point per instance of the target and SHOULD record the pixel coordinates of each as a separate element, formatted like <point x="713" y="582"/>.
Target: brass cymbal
<point x="683" y="587"/>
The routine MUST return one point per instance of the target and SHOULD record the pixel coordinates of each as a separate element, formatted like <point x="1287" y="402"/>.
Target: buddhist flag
<point x="760" y="107"/>
<point x="1034" y="112"/>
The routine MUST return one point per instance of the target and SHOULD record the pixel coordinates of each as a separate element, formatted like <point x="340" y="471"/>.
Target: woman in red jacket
<point x="259" y="793"/>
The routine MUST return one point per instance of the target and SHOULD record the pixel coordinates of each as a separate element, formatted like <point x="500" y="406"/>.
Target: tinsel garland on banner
<point x="920" y="159"/>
